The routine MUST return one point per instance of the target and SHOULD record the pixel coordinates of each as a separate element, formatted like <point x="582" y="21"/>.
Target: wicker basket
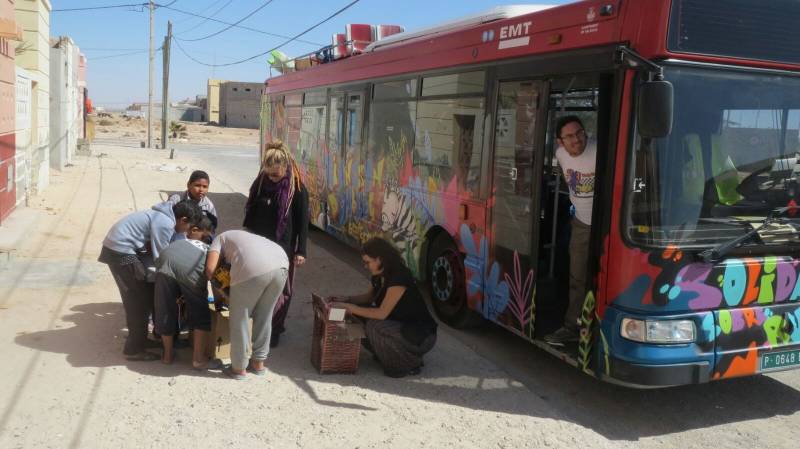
<point x="333" y="350"/>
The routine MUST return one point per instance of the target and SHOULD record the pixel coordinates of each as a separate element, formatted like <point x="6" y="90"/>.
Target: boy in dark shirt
<point x="181" y="273"/>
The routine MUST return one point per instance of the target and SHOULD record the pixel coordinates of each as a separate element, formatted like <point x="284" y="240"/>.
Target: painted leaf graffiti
<point x="495" y="299"/>
<point x="474" y="260"/>
<point x="586" y="341"/>
<point x="520" y="289"/>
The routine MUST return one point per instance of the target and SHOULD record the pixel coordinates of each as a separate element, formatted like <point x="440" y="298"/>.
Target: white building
<point x="33" y="97"/>
<point x="66" y="101"/>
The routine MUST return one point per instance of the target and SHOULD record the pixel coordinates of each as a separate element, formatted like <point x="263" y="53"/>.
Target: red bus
<point x="443" y="141"/>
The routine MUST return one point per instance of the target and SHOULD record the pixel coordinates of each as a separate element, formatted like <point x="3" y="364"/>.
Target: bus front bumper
<point x="655" y="376"/>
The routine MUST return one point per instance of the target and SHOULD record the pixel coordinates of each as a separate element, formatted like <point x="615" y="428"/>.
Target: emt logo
<point x="516" y="35"/>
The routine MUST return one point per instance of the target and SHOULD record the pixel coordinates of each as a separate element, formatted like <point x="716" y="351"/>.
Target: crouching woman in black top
<point x="399" y="328"/>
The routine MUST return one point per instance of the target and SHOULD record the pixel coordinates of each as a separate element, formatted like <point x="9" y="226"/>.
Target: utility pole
<point x="165" y="87"/>
<point x="150" y="87"/>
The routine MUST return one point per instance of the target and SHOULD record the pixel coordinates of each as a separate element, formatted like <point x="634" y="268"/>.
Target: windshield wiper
<point x="719" y="251"/>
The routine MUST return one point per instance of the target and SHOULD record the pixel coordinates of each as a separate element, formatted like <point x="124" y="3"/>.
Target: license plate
<point x="780" y="360"/>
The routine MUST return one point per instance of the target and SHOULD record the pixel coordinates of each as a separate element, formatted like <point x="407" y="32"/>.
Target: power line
<point x="317" y="44"/>
<point x="231" y="25"/>
<point x="90" y="8"/>
<point x="122" y="54"/>
<point x="206" y="19"/>
<point x="111" y="49"/>
<point x="272" y="49"/>
<point x="128" y="5"/>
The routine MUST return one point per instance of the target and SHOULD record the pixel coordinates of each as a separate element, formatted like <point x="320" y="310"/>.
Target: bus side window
<point x="449" y="141"/>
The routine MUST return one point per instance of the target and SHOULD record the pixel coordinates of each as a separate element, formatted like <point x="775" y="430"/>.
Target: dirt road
<point x="66" y="383"/>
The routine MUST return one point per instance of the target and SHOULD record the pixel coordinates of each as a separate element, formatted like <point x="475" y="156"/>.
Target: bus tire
<point x="447" y="284"/>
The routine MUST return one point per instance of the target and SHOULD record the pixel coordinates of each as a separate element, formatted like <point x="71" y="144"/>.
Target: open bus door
<point x="509" y="284"/>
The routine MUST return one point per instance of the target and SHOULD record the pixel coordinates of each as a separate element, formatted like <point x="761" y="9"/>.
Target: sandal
<point x="143" y="356"/>
<point x="207" y="365"/>
<point x="233" y="375"/>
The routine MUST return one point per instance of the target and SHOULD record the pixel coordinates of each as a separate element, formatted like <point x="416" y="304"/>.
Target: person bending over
<point x="259" y="268"/>
<point x="181" y="273"/>
<point x="135" y="238"/>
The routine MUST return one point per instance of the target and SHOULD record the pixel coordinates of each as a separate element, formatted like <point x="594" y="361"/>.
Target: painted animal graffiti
<point x="397" y="219"/>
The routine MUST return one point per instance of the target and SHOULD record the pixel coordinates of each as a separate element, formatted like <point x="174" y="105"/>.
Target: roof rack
<point x="362" y="38"/>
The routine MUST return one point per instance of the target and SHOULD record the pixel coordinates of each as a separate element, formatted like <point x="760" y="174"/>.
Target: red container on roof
<point x="358" y="37"/>
<point x="339" y="42"/>
<point x="382" y="31"/>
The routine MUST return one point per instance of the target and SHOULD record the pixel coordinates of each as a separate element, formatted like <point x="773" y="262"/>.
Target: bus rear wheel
<point x="447" y="284"/>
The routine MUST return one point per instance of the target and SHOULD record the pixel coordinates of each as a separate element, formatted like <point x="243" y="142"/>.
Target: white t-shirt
<point x="249" y="254"/>
<point x="579" y="176"/>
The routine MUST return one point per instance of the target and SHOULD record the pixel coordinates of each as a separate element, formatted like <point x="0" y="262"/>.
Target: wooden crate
<point x="334" y="348"/>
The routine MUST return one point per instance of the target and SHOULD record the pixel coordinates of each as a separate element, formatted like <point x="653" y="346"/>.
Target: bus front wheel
<point x="447" y="284"/>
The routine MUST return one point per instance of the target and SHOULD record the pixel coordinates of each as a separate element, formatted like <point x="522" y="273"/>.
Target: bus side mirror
<point x="655" y="107"/>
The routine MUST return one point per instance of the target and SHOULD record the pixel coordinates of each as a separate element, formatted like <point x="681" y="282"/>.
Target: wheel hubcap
<point x="443" y="278"/>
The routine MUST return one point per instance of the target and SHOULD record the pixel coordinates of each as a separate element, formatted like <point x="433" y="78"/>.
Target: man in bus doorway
<point x="576" y="156"/>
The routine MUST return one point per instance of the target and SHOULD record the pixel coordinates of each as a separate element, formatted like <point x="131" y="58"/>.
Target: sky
<point x="115" y="41"/>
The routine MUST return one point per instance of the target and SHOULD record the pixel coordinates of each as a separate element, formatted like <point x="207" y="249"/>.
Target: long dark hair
<point x="391" y="261"/>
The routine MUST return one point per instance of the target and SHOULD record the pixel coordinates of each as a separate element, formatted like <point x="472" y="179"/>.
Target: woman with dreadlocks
<point x="277" y="208"/>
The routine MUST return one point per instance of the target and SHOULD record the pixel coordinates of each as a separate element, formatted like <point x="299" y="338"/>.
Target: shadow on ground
<point x="506" y="374"/>
<point x="95" y="340"/>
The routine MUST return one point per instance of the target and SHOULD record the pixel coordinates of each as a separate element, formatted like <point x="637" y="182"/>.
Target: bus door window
<point x="294" y="120"/>
<point x="355" y="125"/>
<point x="515" y="152"/>
<point x="277" y="119"/>
<point x="311" y="156"/>
<point x="335" y="135"/>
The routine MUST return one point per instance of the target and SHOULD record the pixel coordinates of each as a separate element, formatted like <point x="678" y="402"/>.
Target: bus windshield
<point x="732" y="157"/>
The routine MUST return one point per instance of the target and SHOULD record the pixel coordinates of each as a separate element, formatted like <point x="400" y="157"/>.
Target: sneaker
<point x="561" y="337"/>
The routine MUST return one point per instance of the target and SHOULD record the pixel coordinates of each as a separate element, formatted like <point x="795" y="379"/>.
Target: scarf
<point x="285" y="189"/>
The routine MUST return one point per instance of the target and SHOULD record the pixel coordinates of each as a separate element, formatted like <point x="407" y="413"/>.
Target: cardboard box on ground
<point x="219" y="341"/>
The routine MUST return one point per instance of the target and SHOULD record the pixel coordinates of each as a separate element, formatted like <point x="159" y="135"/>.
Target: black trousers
<point x="282" y="306"/>
<point x="137" y="300"/>
<point x="166" y="317"/>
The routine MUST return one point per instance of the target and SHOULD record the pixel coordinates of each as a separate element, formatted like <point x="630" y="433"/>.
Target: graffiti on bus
<point x="749" y="305"/>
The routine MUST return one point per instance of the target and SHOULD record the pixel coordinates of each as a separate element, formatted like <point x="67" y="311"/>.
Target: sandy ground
<point x="119" y="127"/>
<point x="66" y="383"/>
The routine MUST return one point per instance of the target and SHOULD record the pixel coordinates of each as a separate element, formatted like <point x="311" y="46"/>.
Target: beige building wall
<point x="212" y="105"/>
<point x="240" y="104"/>
<point x="33" y="55"/>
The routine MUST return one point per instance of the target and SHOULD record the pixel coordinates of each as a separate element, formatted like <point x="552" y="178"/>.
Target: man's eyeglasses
<point x="580" y="134"/>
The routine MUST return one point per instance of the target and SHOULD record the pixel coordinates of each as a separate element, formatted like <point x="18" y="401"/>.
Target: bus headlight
<point x="658" y="331"/>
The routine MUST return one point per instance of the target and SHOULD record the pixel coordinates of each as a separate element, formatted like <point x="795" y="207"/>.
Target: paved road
<point x="757" y="411"/>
